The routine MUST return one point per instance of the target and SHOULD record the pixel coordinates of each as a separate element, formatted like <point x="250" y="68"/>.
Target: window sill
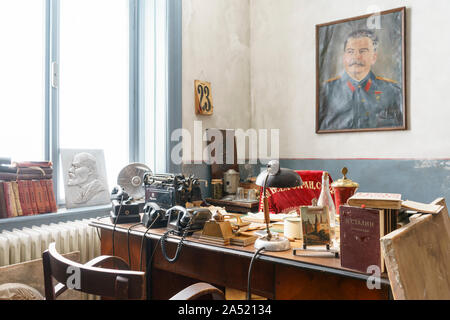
<point x="62" y="215"/>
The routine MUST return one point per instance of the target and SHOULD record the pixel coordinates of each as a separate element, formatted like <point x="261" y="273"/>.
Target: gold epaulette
<point x="333" y="79"/>
<point x="386" y="79"/>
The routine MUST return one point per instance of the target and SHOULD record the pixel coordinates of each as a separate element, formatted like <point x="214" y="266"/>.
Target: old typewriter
<point x="169" y="190"/>
<point x="164" y="191"/>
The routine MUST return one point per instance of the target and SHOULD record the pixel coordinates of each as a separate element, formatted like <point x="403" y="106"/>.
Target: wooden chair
<point x="118" y="284"/>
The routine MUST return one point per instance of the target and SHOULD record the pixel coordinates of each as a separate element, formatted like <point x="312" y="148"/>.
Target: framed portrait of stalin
<point x="360" y="73"/>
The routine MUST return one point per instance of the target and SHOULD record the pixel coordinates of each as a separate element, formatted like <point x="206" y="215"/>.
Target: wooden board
<point x="418" y="257"/>
<point x="421" y="207"/>
<point x="31" y="273"/>
<point x="224" y="158"/>
<point x="235" y="206"/>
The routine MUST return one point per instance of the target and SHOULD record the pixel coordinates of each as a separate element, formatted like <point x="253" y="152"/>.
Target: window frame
<point x="137" y="123"/>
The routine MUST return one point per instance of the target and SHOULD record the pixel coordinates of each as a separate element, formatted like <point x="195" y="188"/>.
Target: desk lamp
<point x="275" y="177"/>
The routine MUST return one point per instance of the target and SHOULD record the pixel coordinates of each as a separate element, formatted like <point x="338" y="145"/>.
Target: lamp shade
<point x="279" y="178"/>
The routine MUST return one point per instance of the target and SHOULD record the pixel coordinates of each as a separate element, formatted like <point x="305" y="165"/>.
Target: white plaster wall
<point x="282" y="66"/>
<point x="216" y="48"/>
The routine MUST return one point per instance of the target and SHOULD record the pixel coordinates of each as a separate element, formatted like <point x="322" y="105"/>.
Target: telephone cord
<point x="180" y="243"/>
<point x="142" y="242"/>
<point x="128" y="241"/>
<point x="115" y="223"/>
<point x="163" y="246"/>
<point x="249" y="293"/>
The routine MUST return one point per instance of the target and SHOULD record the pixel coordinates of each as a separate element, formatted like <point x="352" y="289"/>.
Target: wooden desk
<point x="275" y="275"/>
<point x="235" y="206"/>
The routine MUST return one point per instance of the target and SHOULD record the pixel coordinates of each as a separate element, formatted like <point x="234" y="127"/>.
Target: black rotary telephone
<point x="123" y="210"/>
<point x="183" y="222"/>
<point x="154" y="216"/>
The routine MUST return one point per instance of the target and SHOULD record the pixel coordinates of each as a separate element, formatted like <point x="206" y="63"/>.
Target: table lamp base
<point x="274" y="244"/>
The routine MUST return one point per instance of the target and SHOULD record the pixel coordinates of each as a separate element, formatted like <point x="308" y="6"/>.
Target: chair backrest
<point x="118" y="284"/>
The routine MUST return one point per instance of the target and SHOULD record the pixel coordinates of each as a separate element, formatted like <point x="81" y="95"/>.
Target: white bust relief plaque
<point x="84" y="176"/>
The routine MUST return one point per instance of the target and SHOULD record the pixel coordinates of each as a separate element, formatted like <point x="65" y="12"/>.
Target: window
<point x="22" y="79"/>
<point x="94" y="79"/>
<point x="85" y="74"/>
<point x="154" y="78"/>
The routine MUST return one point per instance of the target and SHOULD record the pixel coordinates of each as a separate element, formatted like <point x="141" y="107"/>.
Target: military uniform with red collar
<point x="373" y="102"/>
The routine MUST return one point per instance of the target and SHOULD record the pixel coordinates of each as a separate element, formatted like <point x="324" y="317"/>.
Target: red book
<point x="24" y="197"/>
<point x="51" y="196"/>
<point x="15" y="188"/>
<point x="360" y="232"/>
<point x="38" y="192"/>
<point x="33" y="202"/>
<point x="45" y="196"/>
<point x="3" y="212"/>
<point x="9" y="199"/>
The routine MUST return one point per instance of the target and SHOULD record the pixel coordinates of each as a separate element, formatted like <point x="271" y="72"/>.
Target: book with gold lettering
<point x="360" y="233"/>
<point x="15" y="188"/>
<point x="33" y="202"/>
<point x="9" y="199"/>
<point x="24" y="196"/>
<point x="39" y="197"/>
<point x="3" y="211"/>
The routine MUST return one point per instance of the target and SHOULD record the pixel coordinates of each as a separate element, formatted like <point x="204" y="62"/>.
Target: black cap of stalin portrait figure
<point x="358" y="99"/>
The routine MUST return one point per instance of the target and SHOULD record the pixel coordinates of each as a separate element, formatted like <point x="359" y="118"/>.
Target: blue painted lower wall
<point x="416" y="179"/>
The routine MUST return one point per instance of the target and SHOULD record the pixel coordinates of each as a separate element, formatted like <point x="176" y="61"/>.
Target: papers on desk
<point x="259" y="217"/>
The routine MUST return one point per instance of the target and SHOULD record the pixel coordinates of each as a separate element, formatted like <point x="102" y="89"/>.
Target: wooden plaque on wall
<point x="203" y="98"/>
<point x="222" y="158"/>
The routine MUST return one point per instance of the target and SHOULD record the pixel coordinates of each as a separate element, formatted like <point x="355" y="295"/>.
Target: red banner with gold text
<point x="290" y="199"/>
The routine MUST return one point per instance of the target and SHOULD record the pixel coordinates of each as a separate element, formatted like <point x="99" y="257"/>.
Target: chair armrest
<point x="119" y="262"/>
<point x="198" y="290"/>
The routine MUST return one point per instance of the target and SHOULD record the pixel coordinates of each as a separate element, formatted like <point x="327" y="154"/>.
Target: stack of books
<point x="26" y="188"/>
<point x="367" y="218"/>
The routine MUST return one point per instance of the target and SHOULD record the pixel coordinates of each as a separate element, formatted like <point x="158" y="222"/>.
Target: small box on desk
<point x="125" y="213"/>
<point x="360" y="233"/>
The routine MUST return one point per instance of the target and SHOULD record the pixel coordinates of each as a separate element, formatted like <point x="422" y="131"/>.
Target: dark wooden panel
<point x="218" y="169"/>
<point x="165" y="284"/>
<point x="121" y="248"/>
<point x="294" y="284"/>
<point x="217" y="268"/>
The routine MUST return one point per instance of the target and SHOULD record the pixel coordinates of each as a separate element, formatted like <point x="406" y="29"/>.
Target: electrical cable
<point x="149" y="266"/>
<point x="153" y="253"/>
<point x="98" y="234"/>
<point x="179" y="245"/>
<point x="142" y="242"/>
<point x="249" y="294"/>
<point x="128" y="241"/>
<point x="115" y="223"/>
